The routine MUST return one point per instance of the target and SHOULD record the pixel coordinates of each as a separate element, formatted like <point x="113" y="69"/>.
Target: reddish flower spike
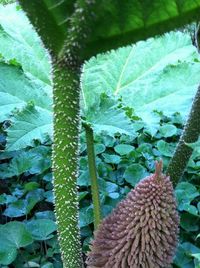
<point x="142" y="231"/>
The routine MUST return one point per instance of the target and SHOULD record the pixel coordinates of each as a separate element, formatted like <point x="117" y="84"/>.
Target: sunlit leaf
<point x="146" y="83"/>
<point x="28" y="125"/>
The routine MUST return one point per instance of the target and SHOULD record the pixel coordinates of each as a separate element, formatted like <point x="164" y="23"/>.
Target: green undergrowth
<point x="122" y="161"/>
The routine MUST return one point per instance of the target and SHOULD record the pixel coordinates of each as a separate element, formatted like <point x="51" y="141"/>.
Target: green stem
<point x="66" y="58"/>
<point x="190" y="134"/>
<point x="93" y="174"/>
<point x="65" y="158"/>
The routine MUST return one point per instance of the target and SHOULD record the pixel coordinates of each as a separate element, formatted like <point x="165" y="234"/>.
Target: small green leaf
<point x="84" y="178"/>
<point x="168" y="130"/>
<point x="106" y="210"/>
<point x="24" y="206"/>
<point x="85" y="216"/>
<point x="113" y="195"/>
<point x="111" y="158"/>
<point x="16" y="209"/>
<point x="41" y="229"/>
<point x="134" y="173"/>
<point x="111" y="187"/>
<point x="182" y="258"/>
<point x="198" y="206"/>
<point x="47" y="265"/>
<point x="49" y="197"/>
<point x="31" y="264"/>
<point x="99" y="148"/>
<point x="13" y="236"/>
<point x="48" y="177"/>
<point x="7" y="255"/>
<point x="23" y="162"/>
<point x="3" y="199"/>
<point x="123" y="149"/>
<point x="190" y="248"/>
<point x="189" y="222"/>
<point x="185" y="193"/>
<point x="166" y="149"/>
<point x="145" y="148"/>
<point x="47" y="214"/>
<point x="30" y="186"/>
<point x="190" y="209"/>
<point x="195" y="146"/>
<point x="198" y="236"/>
<point x="107" y="187"/>
<point x="196" y="256"/>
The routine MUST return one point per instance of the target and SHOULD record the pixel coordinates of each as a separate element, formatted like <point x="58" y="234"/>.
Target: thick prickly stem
<point x="65" y="152"/>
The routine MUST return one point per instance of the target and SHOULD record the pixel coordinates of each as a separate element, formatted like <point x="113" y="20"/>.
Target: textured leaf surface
<point x="115" y="23"/>
<point x="120" y="23"/>
<point x="27" y="82"/>
<point x="27" y="126"/>
<point x="16" y="91"/>
<point x="159" y="74"/>
<point x="108" y="118"/>
<point x="19" y="41"/>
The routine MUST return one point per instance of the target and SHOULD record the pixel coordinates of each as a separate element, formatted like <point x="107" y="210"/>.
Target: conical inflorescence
<point x="142" y="231"/>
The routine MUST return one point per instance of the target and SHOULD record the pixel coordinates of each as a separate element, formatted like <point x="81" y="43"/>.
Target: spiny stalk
<point x="190" y="134"/>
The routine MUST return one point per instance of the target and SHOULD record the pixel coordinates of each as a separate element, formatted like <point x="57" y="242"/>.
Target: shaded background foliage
<point x="126" y="143"/>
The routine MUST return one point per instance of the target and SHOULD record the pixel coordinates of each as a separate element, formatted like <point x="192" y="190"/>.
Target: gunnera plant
<point x="142" y="231"/>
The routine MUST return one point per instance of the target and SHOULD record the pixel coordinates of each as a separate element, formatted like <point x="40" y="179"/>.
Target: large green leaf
<point x="16" y="91"/>
<point x="120" y="23"/>
<point x="159" y="74"/>
<point x="116" y="23"/>
<point x="19" y="41"/>
<point x="21" y="46"/>
<point x="108" y="118"/>
<point x="28" y="125"/>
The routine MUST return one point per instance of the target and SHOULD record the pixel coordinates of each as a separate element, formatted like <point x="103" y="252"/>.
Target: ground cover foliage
<point x="130" y="133"/>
